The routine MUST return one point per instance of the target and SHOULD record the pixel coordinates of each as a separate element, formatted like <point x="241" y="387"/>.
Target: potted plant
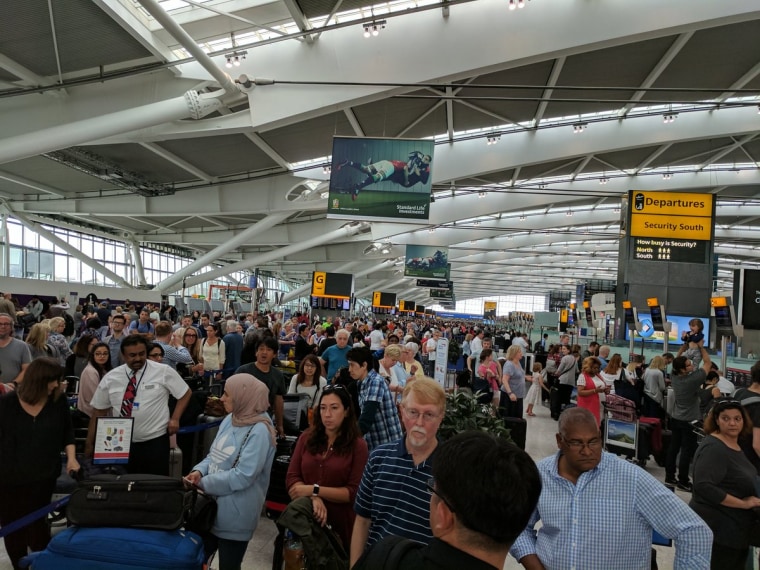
<point x="464" y="412"/>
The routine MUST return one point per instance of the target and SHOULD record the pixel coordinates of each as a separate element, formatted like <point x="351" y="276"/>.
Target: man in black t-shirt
<point x="273" y="378"/>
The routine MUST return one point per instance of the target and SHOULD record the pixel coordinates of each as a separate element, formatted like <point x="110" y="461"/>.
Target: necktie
<point x="129" y="397"/>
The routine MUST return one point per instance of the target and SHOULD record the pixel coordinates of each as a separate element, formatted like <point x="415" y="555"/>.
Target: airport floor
<point x="540" y="443"/>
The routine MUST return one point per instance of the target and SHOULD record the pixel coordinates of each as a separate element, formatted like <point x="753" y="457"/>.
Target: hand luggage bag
<point x="176" y="469"/>
<point x="78" y="548"/>
<point x="555" y="402"/>
<point x="134" y="501"/>
<point x="295" y="413"/>
<point x="518" y="429"/>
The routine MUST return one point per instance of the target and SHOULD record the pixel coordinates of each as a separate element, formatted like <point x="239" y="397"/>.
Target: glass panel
<point x="30" y="238"/>
<point x="31" y="268"/>
<point x="17" y="263"/>
<point x="46" y="244"/>
<point x="75" y="270"/>
<point x="110" y="252"/>
<point x="61" y="268"/>
<point x="15" y="233"/>
<point x="47" y="263"/>
<point x="98" y="253"/>
<point x="88" y="275"/>
<point x="86" y="247"/>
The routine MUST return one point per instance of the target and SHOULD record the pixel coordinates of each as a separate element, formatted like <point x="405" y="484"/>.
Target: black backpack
<point x="68" y="328"/>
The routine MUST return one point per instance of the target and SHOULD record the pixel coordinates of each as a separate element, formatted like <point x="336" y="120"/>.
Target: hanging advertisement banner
<point x="380" y="179"/>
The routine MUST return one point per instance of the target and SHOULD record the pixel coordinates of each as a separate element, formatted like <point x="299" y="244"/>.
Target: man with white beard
<point x="393" y="497"/>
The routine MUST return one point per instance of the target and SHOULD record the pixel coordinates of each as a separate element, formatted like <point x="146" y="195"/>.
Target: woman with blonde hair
<point x="654" y="388"/>
<point x="190" y="342"/>
<point x="56" y="339"/>
<point x="412" y="367"/>
<point x="37" y="340"/>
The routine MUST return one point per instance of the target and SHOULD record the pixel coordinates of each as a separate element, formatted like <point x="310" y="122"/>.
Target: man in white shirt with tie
<point x="140" y="389"/>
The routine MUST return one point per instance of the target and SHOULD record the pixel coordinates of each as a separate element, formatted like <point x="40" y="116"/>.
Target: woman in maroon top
<point x="328" y="462"/>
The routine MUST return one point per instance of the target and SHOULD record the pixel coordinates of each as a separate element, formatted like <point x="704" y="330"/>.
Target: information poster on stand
<point x="441" y="361"/>
<point x="113" y="439"/>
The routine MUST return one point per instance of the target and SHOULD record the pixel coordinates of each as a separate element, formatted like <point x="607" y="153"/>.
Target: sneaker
<point x="687" y="486"/>
<point x="671" y="481"/>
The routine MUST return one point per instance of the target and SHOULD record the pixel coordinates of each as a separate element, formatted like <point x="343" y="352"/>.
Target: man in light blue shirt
<point x="598" y="511"/>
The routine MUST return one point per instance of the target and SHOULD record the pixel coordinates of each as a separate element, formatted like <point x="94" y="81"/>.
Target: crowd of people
<point x="371" y="462"/>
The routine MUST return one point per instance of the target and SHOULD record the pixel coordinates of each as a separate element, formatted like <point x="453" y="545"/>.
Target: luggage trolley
<point x="621" y="428"/>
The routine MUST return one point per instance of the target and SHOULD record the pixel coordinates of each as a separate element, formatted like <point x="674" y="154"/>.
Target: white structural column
<point x="5" y="269"/>
<point x="79" y="132"/>
<point x="137" y="260"/>
<point x="259" y="227"/>
<point x="72" y="251"/>
<point x="343" y="232"/>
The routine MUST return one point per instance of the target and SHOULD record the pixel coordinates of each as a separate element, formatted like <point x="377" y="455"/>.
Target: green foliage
<point x="455" y="351"/>
<point x="463" y="413"/>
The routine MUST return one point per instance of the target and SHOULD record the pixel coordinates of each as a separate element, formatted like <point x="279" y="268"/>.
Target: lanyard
<point x="129" y="378"/>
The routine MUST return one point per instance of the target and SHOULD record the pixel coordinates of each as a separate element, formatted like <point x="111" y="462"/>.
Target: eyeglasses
<point x="427" y="417"/>
<point x="191" y="335"/>
<point x="722" y="405"/>
<point x="333" y="388"/>
<point x="577" y="445"/>
<point x="431" y="487"/>
<point x="100" y="353"/>
<point x="6" y="324"/>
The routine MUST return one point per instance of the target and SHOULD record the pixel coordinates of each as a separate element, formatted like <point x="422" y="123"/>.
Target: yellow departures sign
<point x="674" y="215"/>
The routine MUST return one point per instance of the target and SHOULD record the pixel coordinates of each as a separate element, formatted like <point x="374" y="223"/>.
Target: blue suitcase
<point x="79" y="548"/>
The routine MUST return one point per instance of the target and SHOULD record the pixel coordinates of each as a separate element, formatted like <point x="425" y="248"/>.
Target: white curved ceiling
<point x="550" y="211"/>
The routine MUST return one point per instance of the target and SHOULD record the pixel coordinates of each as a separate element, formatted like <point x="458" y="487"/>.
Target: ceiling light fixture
<point x="579" y="128"/>
<point x="493" y="139"/>
<point x="481" y="194"/>
<point x="522" y="217"/>
<point x="669" y="117"/>
<point x="603" y="181"/>
<point x="667" y="176"/>
<point x="569" y="213"/>
<point x="234" y="58"/>
<point x="326" y="169"/>
<point x="372" y="29"/>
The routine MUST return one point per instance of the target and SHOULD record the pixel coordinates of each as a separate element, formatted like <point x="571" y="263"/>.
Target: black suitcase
<point x="518" y="430"/>
<point x="555" y="402"/>
<point x="129" y="501"/>
<point x="277" y="494"/>
<point x="484" y="387"/>
<point x="295" y="413"/>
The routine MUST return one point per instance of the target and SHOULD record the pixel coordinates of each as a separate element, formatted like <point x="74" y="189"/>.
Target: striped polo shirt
<point x="393" y="494"/>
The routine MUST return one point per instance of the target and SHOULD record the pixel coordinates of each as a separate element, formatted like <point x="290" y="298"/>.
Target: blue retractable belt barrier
<point x="199" y="427"/>
<point x="33" y="516"/>
<point x="56" y="505"/>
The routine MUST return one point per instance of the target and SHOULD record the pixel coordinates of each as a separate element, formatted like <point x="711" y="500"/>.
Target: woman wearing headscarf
<point x="236" y="470"/>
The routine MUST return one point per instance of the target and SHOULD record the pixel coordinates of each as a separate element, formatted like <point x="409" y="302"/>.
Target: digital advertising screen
<point x="380" y="179"/>
<point x="678" y="324"/>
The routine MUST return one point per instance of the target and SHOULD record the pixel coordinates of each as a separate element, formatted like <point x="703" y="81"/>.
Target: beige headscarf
<point x="250" y="401"/>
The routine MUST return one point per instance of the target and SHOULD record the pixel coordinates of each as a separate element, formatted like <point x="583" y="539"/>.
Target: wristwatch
<point x="315" y="492"/>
